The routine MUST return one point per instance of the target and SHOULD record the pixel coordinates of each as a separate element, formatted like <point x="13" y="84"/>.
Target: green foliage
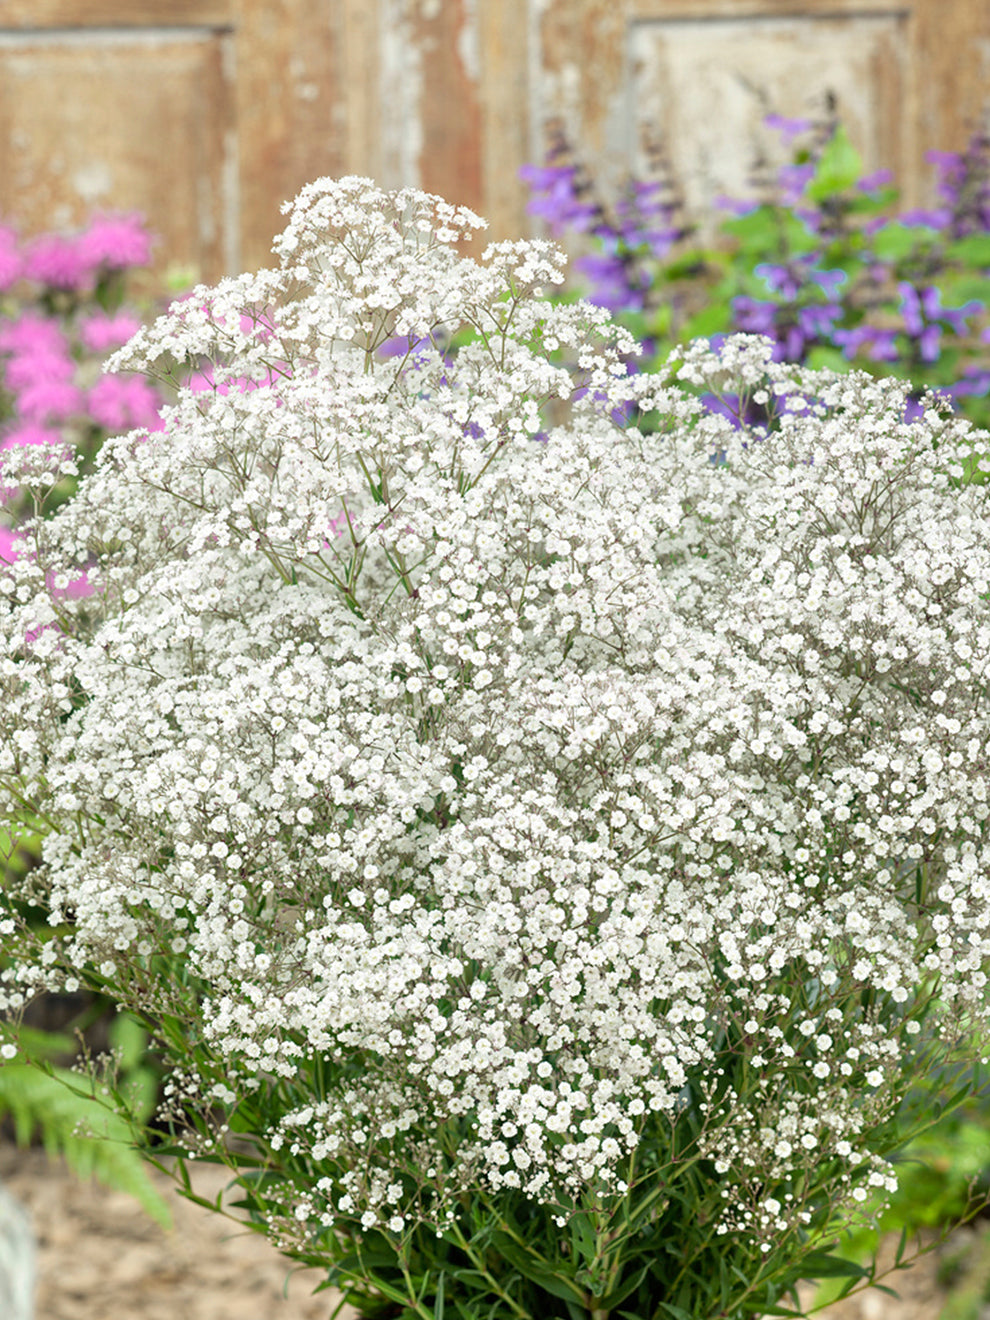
<point x="68" y="1113"/>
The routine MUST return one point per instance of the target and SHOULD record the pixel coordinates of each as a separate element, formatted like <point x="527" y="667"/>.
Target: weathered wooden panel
<point x="704" y="88"/>
<point x="909" y="75"/>
<point x="113" y="13"/>
<point x="132" y="119"/>
<point x="289" y="69"/>
<point x="218" y="110"/>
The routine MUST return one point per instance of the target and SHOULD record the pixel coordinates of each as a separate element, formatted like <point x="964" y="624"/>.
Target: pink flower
<point x="31" y="333"/>
<point x="49" y="401"/>
<point x="119" y="403"/>
<point x="58" y="262"/>
<point x="101" y="333"/>
<point x="77" y="589"/>
<point x="115" y="241"/>
<point x="10" y="258"/>
<point x="26" y="369"/>
<point x="31" y="434"/>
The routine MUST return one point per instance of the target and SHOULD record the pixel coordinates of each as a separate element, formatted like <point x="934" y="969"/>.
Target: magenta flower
<point x="32" y="334"/>
<point x="101" y="333"/>
<point x="115" y="241"/>
<point x="57" y="262"/>
<point x="50" y="400"/>
<point x="25" y="370"/>
<point x="10" y="545"/>
<point x="10" y="258"/>
<point x="119" y="403"/>
<point x="31" y="434"/>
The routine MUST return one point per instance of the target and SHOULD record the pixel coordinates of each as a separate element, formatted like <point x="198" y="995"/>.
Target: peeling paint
<point x="401" y="85"/>
<point x="704" y="87"/>
<point x="93" y="181"/>
<point x="467" y="41"/>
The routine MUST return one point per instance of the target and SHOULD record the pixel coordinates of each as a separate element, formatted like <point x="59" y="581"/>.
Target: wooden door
<point x="202" y="114"/>
<point x="207" y="114"/>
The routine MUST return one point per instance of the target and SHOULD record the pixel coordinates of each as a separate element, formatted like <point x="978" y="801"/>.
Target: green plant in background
<point x="68" y="1112"/>
<point x="823" y="262"/>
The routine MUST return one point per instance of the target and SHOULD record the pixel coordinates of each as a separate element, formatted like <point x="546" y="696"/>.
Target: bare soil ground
<point x="101" y="1258"/>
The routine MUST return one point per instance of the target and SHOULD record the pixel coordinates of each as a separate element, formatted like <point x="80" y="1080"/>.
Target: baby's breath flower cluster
<point x="537" y="782"/>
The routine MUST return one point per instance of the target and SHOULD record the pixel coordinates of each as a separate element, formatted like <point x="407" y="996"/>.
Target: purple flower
<point x="734" y="205"/>
<point x="115" y="242"/>
<point x="975" y="382"/>
<point x="792" y="181"/>
<point x="817" y="320"/>
<point x="609" y="276"/>
<point x="829" y="280"/>
<point x="873" y="182"/>
<point x="955" y="317"/>
<point x="928" y="217"/>
<point x="880" y="345"/>
<point x="783" y="280"/>
<point x="789" y="129"/>
<point x="559" y="205"/>
<point x="759" y="318"/>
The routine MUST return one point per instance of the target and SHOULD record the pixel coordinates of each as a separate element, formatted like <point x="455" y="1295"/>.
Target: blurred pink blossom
<point x="58" y="262"/>
<point x="100" y="333"/>
<point x="27" y="369"/>
<point x="119" y="403"/>
<point x="31" y="333"/>
<point x="115" y="241"/>
<point x="49" y="400"/>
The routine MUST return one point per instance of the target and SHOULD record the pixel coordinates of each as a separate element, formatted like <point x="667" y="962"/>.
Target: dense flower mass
<point x="546" y="796"/>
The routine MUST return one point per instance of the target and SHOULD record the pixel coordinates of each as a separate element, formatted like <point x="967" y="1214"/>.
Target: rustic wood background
<point x="206" y="114"/>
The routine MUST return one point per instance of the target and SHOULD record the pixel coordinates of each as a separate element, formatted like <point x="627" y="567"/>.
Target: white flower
<point x="522" y="774"/>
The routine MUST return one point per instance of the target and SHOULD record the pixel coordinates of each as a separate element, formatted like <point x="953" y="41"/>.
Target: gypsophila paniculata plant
<point x="547" y="847"/>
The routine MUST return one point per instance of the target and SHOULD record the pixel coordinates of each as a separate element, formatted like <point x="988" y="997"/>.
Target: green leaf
<point x="556" y="1284"/>
<point x="895" y="241"/>
<point x="839" y="166"/>
<point x="711" y="320"/>
<point x="973" y="250"/>
<point x="822" y="356"/>
<point x="629" y="1285"/>
<point x="823" y="1265"/>
<point x="73" y="1123"/>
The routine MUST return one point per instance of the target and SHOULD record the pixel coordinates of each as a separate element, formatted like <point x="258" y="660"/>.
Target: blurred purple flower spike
<point x="789" y="129"/>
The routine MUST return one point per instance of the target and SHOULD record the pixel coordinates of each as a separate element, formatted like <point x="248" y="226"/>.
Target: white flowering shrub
<point x="544" y="821"/>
